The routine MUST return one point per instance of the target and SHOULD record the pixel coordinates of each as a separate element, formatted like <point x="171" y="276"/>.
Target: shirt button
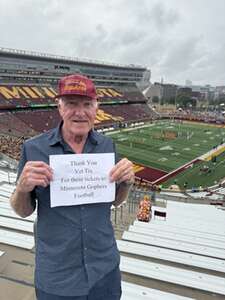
<point x="85" y="249"/>
<point x="85" y="229"/>
<point x="82" y="207"/>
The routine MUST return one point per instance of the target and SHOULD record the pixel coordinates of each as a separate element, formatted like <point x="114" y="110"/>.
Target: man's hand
<point x="35" y="173"/>
<point x="122" y="172"/>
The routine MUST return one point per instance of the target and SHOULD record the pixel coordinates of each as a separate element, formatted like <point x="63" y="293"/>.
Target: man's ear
<point x="59" y="105"/>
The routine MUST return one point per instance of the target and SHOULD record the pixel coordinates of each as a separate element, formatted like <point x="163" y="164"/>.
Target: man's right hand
<point x="35" y="173"/>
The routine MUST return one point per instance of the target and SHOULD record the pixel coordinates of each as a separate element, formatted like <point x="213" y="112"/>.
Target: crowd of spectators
<point x="129" y="112"/>
<point x="39" y="120"/>
<point x="10" y="124"/>
<point x="129" y="94"/>
<point x="196" y="115"/>
<point x="11" y="145"/>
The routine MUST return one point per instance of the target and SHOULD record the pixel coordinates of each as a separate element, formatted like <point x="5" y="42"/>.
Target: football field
<point x="168" y="145"/>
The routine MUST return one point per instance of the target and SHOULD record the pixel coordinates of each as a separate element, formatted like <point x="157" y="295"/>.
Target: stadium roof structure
<point x="67" y="58"/>
<point x="21" y="65"/>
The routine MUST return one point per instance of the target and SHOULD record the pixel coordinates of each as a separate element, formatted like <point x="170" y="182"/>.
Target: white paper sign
<point x="81" y="179"/>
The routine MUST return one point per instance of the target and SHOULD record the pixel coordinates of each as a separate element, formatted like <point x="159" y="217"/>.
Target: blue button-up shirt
<point x="75" y="245"/>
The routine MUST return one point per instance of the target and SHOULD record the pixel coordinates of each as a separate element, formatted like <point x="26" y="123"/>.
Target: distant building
<point x="188" y="83"/>
<point x="155" y="90"/>
<point x="162" y="91"/>
<point x="196" y="95"/>
<point x="185" y="91"/>
<point x="169" y="91"/>
<point x="219" y="92"/>
<point x="206" y="92"/>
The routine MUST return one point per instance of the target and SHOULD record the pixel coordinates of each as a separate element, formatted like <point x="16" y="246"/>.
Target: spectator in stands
<point x="185" y="185"/>
<point x="76" y="252"/>
<point x="144" y="210"/>
<point x="11" y="145"/>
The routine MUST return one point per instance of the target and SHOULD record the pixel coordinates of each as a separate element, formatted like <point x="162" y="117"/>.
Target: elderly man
<point x="76" y="253"/>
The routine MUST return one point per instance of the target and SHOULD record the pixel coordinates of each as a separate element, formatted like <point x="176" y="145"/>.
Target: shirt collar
<point x="55" y="136"/>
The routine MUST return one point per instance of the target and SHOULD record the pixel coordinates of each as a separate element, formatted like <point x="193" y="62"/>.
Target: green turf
<point x="145" y="145"/>
<point x="195" y="177"/>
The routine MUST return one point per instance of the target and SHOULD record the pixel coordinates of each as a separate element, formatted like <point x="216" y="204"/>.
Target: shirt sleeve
<point x="22" y="162"/>
<point x="117" y="156"/>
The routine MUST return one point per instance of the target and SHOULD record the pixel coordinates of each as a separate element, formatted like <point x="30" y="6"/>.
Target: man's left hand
<point x="122" y="172"/>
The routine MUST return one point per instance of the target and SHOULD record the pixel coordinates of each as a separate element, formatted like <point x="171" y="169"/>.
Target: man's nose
<point x="79" y="110"/>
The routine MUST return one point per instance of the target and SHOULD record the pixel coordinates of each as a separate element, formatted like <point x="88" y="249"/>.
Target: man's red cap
<point x="76" y="85"/>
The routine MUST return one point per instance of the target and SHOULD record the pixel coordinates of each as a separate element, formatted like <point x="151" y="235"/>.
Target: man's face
<point x="78" y="114"/>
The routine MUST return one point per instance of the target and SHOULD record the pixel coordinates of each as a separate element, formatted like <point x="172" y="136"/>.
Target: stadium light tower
<point x="161" y="91"/>
<point x="175" y="100"/>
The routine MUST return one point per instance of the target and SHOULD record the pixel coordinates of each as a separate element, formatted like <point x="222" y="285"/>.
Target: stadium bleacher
<point x="23" y="106"/>
<point x="190" y="256"/>
<point x="170" y="267"/>
<point x="24" y="124"/>
<point x="29" y="95"/>
<point x="25" y="95"/>
<point x="120" y="93"/>
<point x="213" y="117"/>
<point x="11" y="125"/>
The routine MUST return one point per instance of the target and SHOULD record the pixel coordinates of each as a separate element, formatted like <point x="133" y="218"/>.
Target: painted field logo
<point x="170" y="135"/>
<point x="165" y="135"/>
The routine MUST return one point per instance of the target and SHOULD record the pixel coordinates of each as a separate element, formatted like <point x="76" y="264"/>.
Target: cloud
<point x="176" y="39"/>
<point x="164" y="18"/>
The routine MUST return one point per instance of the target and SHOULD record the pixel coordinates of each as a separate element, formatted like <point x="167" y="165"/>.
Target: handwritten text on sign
<point x="81" y="179"/>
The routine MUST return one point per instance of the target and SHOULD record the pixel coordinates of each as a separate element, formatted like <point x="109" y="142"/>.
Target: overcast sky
<point x="176" y="39"/>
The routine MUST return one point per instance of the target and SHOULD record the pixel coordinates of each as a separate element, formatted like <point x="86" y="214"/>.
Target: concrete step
<point x="12" y="290"/>
<point x="19" y="272"/>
